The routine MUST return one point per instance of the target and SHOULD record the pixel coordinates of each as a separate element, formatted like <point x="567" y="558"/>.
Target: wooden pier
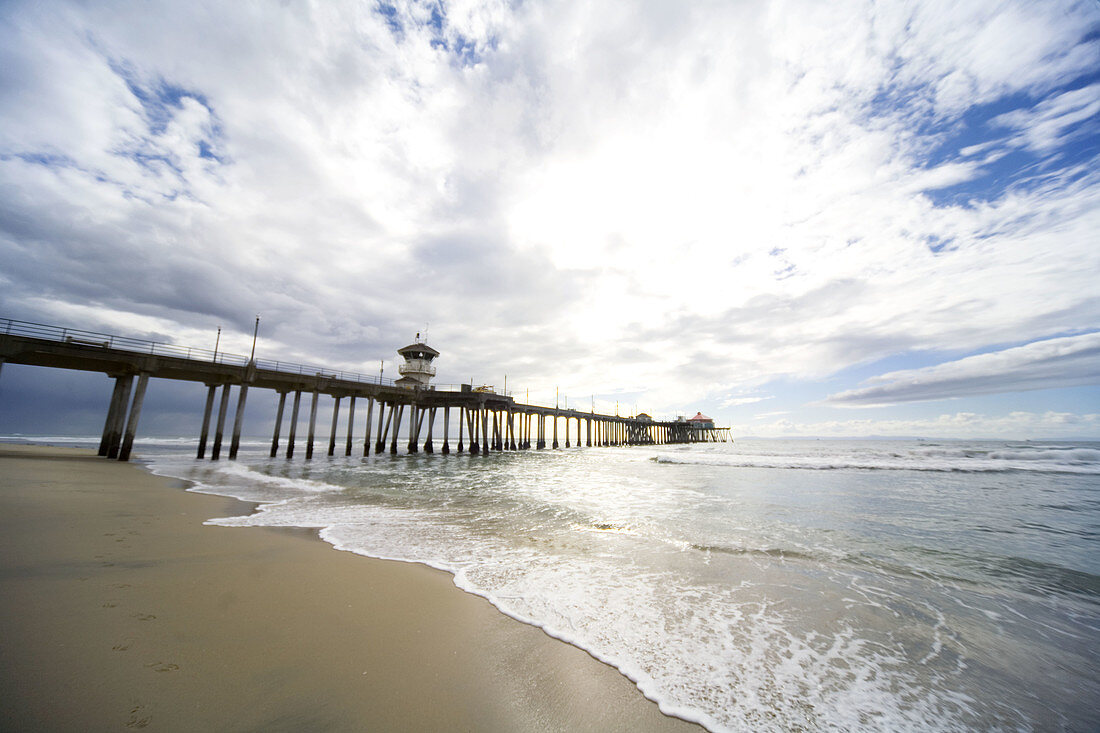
<point x="487" y="422"/>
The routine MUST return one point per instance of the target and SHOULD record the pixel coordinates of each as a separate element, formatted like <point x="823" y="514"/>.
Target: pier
<point x="487" y="422"/>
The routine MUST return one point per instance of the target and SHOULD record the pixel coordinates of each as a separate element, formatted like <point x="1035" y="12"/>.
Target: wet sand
<point x="120" y="610"/>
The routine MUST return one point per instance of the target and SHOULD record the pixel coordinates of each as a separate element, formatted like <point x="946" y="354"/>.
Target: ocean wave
<point x="240" y="471"/>
<point x="1071" y="456"/>
<point x="1077" y="461"/>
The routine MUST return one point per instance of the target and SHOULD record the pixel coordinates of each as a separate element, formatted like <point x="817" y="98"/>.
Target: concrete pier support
<point x="278" y="425"/>
<point x="312" y="432"/>
<point x="381" y="444"/>
<point x="461" y="425"/>
<point x="332" y="430"/>
<point x="238" y="421"/>
<point x="428" y="447"/>
<point x="132" y="421"/>
<point x="485" y="429"/>
<point x="366" y="437"/>
<point x="351" y="426"/>
<point x="446" y="430"/>
<point x="414" y="424"/>
<point x="219" y="427"/>
<point x="112" y="426"/>
<point x="421" y="413"/>
<point x="211" y="389"/>
<point x="396" y="424"/>
<point x="555" y="430"/>
<point x="293" y="423"/>
<point x="471" y="425"/>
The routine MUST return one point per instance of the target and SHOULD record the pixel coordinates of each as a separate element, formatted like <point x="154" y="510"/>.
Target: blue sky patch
<point x="160" y="101"/>
<point x="465" y="51"/>
<point x="389" y="13"/>
<point x="1006" y="157"/>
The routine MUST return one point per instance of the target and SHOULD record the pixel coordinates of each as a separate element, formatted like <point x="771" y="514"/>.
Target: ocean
<point x="760" y="585"/>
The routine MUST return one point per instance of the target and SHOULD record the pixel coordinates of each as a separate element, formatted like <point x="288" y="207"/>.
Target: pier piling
<point x="396" y="423"/>
<point x="332" y="430"/>
<point x="312" y="425"/>
<point x="293" y="424"/>
<point x="132" y="421"/>
<point x="278" y="425"/>
<point x="366" y="437"/>
<point x="428" y="447"/>
<point x="446" y="430"/>
<point x="219" y="428"/>
<point x="120" y="396"/>
<point x="238" y="421"/>
<point x="351" y="425"/>
<point x="211" y="389"/>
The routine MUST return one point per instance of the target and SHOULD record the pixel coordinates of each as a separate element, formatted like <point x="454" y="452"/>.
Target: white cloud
<point x="735" y="401"/>
<point x="1017" y="425"/>
<point x="1060" y="362"/>
<point x="672" y="200"/>
<point x="1045" y="127"/>
<point x="775" y="413"/>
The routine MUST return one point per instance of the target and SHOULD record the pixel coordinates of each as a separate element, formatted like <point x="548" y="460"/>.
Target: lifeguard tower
<point x="417" y="371"/>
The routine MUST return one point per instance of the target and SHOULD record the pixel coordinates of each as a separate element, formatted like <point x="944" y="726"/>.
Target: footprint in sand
<point x="136" y="719"/>
<point x="121" y="647"/>
<point x="162" y="666"/>
<point x="110" y="604"/>
<point x="143" y="616"/>
<point x="118" y="586"/>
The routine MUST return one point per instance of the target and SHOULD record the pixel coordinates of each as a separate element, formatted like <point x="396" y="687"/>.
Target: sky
<point x="801" y="218"/>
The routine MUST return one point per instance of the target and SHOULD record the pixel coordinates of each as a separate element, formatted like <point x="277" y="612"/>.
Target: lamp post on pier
<point x="255" y="332"/>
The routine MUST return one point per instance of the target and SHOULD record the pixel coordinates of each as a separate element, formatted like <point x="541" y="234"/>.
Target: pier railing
<point x="157" y="348"/>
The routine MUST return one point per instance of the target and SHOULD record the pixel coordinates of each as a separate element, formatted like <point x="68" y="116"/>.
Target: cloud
<point x="735" y="401"/>
<point x="1017" y="425"/>
<point x="1060" y="362"/>
<point x="775" y="413"/>
<point x="1053" y="122"/>
<point x="680" y="201"/>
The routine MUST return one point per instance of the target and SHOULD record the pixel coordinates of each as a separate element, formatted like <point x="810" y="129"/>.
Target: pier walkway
<point x="486" y="420"/>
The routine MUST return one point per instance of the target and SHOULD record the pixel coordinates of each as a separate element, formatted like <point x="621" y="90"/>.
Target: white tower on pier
<point x="417" y="370"/>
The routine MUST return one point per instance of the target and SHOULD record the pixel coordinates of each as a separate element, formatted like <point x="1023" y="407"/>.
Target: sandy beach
<point x="121" y="610"/>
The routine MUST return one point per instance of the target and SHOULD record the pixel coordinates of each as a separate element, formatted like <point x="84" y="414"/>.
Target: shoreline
<point x="123" y="610"/>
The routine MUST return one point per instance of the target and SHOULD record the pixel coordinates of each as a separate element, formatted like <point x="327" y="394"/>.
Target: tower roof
<point x="700" y="417"/>
<point x="418" y="348"/>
